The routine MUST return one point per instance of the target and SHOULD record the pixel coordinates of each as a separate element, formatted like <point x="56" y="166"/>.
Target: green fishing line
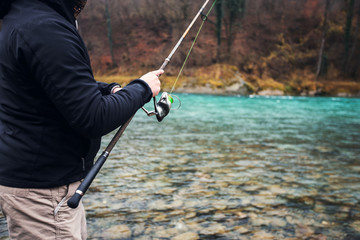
<point x="192" y="45"/>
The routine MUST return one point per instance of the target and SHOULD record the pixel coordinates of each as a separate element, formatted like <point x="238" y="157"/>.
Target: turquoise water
<point x="228" y="167"/>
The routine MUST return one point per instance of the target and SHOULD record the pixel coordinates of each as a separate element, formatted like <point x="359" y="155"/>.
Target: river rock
<point x="177" y="213"/>
<point x="166" y="191"/>
<point x="181" y="226"/>
<point x="262" y="235"/>
<point x="277" y="189"/>
<point x="356" y="226"/>
<point x="241" y="215"/>
<point x="194" y="227"/>
<point x="176" y="204"/>
<point x="271" y="92"/>
<point x="143" y="238"/>
<point x="303" y="231"/>
<point x="214" y="229"/>
<point x="138" y="229"/>
<point x="186" y="236"/>
<point x="219" y="216"/>
<point x="159" y="205"/>
<point x="278" y="222"/>
<point x="161" y="218"/>
<point x="190" y="215"/>
<point x="117" y="232"/>
<point x="166" y="233"/>
<point x="241" y="229"/>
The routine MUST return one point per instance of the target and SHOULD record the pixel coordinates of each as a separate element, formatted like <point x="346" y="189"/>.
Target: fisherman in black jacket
<point x="52" y="116"/>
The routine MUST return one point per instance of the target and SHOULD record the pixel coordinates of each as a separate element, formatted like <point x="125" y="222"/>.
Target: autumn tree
<point x="353" y="62"/>
<point x="109" y="32"/>
<point x="235" y="12"/>
<point x="323" y="38"/>
<point x="219" y="9"/>
<point x="347" y="34"/>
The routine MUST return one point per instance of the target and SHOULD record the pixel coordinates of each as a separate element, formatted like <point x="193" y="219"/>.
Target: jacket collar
<point x="63" y="7"/>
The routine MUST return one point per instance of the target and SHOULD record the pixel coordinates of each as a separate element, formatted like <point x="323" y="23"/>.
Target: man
<point x="52" y="115"/>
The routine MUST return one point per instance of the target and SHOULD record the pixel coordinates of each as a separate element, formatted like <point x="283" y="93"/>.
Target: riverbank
<point x="222" y="79"/>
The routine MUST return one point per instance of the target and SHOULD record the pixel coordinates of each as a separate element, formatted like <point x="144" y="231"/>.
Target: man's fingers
<point x="158" y="72"/>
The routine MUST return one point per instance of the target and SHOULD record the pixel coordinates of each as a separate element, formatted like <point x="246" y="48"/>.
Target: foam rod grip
<point x="73" y="202"/>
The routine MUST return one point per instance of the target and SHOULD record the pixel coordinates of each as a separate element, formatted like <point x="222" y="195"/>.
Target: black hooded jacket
<point x="52" y="111"/>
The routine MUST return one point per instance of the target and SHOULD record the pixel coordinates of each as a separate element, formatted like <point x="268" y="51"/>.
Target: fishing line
<point x="179" y="102"/>
<point x="204" y="18"/>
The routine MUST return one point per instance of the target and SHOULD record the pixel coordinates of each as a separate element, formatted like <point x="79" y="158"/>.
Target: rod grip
<point x="73" y="202"/>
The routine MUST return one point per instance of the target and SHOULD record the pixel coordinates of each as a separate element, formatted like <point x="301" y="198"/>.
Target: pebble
<point x="176" y="204"/>
<point x="117" y="232"/>
<point x="143" y="238"/>
<point x="159" y="205"/>
<point x="241" y="229"/>
<point x="278" y="222"/>
<point x="161" y="218"/>
<point x="213" y="229"/>
<point x="277" y="189"/>
<point x="166" y="191"/>
<point x="219" y="216"/>
<point x="186" y="236"/>
<point x="190" y="215"/>
<point x="177" y="213"/>
<point x="303" y="231"/>
<point x="166" y="233"/>
<point x="261" y="235"/>
<point x="181" y="226"/>
<point x="139" y="229"/>
<point x="356" y="226"/>
<point x="241" y="215"/>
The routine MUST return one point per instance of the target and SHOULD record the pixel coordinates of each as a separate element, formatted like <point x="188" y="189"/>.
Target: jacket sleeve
<point x="59" y="63"/>
<point x="105" y="88"/>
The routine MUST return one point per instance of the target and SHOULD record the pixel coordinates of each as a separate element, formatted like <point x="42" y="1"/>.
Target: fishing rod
<point x="161" y="110"/>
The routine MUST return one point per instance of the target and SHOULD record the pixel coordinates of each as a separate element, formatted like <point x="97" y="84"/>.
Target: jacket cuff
<point x="111" y="87"/>
<point x="141" y="85"/>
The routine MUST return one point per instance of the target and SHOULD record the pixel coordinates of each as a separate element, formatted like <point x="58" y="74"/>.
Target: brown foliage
<point x="275" y="39"/>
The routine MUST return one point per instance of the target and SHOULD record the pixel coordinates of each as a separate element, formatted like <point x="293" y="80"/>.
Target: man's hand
<point x="152" y="79"/>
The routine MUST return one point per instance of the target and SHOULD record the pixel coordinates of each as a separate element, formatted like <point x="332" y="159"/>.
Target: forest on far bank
<point x="306" y="47"/>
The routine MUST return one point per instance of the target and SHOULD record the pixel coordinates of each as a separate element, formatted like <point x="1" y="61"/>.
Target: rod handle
<point x="73" y="202"/>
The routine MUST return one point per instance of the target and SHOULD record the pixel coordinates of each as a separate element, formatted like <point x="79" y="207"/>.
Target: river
<point x="229" y="167"/>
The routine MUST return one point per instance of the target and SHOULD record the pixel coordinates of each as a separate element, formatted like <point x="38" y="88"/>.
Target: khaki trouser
<point x="42" y="213"/>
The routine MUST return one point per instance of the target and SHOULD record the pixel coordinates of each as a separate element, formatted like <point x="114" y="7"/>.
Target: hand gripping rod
<point x="73" y="202"/>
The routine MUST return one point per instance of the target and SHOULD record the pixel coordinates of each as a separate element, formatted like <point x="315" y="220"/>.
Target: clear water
<point x="227" y="167"/>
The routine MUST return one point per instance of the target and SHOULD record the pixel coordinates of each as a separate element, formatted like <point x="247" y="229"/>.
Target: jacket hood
<point x="69" y="9"/>
<point x="4" y="7"/>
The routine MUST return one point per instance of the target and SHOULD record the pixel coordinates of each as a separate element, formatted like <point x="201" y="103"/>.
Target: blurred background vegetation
<point x="307" y="47"/>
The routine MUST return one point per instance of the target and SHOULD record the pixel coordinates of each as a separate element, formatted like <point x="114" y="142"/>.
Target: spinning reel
<point x="162" y="107"/>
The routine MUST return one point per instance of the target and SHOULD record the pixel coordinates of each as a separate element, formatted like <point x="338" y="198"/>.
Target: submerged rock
<point x="241" y="229"/>
<point x="356" y="226"/>
<point x="139" y="229"/>
<point x="303" y="231"/>
<point x="186" y="236"/>
<point x="262" y="235"/>
<point x="117" y="232"/>
<point x="214" y="229"/>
